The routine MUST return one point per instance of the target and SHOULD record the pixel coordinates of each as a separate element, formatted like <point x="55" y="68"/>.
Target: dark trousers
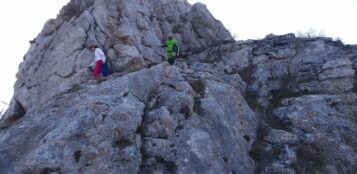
<point x="105" y="69"/>
<point x="171" y="61"/>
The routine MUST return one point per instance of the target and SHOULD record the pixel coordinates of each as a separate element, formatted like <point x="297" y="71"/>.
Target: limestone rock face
<point x="131" y="32"/>
<point x="144" y="122"/>
<point x="278" y="105"/>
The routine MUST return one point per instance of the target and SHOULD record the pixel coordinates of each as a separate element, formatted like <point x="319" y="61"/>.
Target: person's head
<point x="92" y="46"/>
<point x="170" y="35"/>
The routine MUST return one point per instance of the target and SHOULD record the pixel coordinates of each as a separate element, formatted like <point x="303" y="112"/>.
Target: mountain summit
<point x="282" y="104"/>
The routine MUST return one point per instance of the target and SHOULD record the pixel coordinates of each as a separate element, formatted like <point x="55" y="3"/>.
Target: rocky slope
<point x="277" y="105"/>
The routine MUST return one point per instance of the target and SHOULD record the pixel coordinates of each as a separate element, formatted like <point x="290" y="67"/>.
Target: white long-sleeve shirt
<point x="99" y="55"/>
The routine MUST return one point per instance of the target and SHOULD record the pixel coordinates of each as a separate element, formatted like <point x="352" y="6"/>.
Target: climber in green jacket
<point x="172" y="48"/>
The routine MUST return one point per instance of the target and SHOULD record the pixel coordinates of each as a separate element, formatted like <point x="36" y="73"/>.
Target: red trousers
<point x="98" y="69"/>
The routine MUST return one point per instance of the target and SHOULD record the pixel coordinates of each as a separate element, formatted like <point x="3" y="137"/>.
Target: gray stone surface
<point x="278" y="105"/>
<point x="141" y="122"/>
<point x="325" y="127"/>
<point x="58" y="54"/>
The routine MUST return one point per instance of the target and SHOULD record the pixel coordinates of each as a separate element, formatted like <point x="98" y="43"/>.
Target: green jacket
<point x="172" y="46"/>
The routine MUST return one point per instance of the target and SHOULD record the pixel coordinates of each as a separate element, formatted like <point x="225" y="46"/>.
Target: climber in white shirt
<point x="99" y="61"/>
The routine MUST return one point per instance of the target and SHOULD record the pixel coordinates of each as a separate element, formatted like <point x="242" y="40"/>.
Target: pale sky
<point x="22" y="20"/>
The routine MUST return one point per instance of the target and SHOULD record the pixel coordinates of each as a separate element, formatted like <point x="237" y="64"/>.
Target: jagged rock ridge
<point x="277" y="105"/>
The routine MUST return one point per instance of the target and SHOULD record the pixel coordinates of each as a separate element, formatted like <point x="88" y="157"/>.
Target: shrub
<point x="310" y="158"/>
<point x="75" y="8"/>
<point x="3" y="107"/>
<point x="311" y="33"/>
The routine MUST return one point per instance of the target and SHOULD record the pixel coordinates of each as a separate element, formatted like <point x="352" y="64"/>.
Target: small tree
<point x="75" y="8"/>
<point x="311" y="33"/>
<point x="3" y="108"/>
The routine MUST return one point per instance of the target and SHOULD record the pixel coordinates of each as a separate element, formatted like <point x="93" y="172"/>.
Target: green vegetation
<point x="259" y="152"/>
<point x="170" y="166"/>
<point x="123" y="143"/>
<point x="198" y="86"/>
<point x="310" y="158"/>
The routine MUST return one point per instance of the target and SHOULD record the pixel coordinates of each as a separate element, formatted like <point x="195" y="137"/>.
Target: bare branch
<point x="4" y="103"/>
<point x="3" y="109"/>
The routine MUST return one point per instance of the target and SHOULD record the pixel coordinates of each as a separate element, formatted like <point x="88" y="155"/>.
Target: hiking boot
<point x="100" y="80"/>
<point x="166" y="64"/>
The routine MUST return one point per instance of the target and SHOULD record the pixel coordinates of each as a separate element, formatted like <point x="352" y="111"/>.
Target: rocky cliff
<point x="278" y="105"/>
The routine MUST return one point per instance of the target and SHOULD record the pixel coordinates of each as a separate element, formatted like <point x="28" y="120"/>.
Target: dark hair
<point x="92" y="44"/>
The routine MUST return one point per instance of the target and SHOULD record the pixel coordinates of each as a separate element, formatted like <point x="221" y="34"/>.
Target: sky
<point x="246" y="19"/>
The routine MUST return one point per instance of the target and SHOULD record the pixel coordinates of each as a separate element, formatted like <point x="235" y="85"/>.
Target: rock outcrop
<point x="278" y="105"/>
